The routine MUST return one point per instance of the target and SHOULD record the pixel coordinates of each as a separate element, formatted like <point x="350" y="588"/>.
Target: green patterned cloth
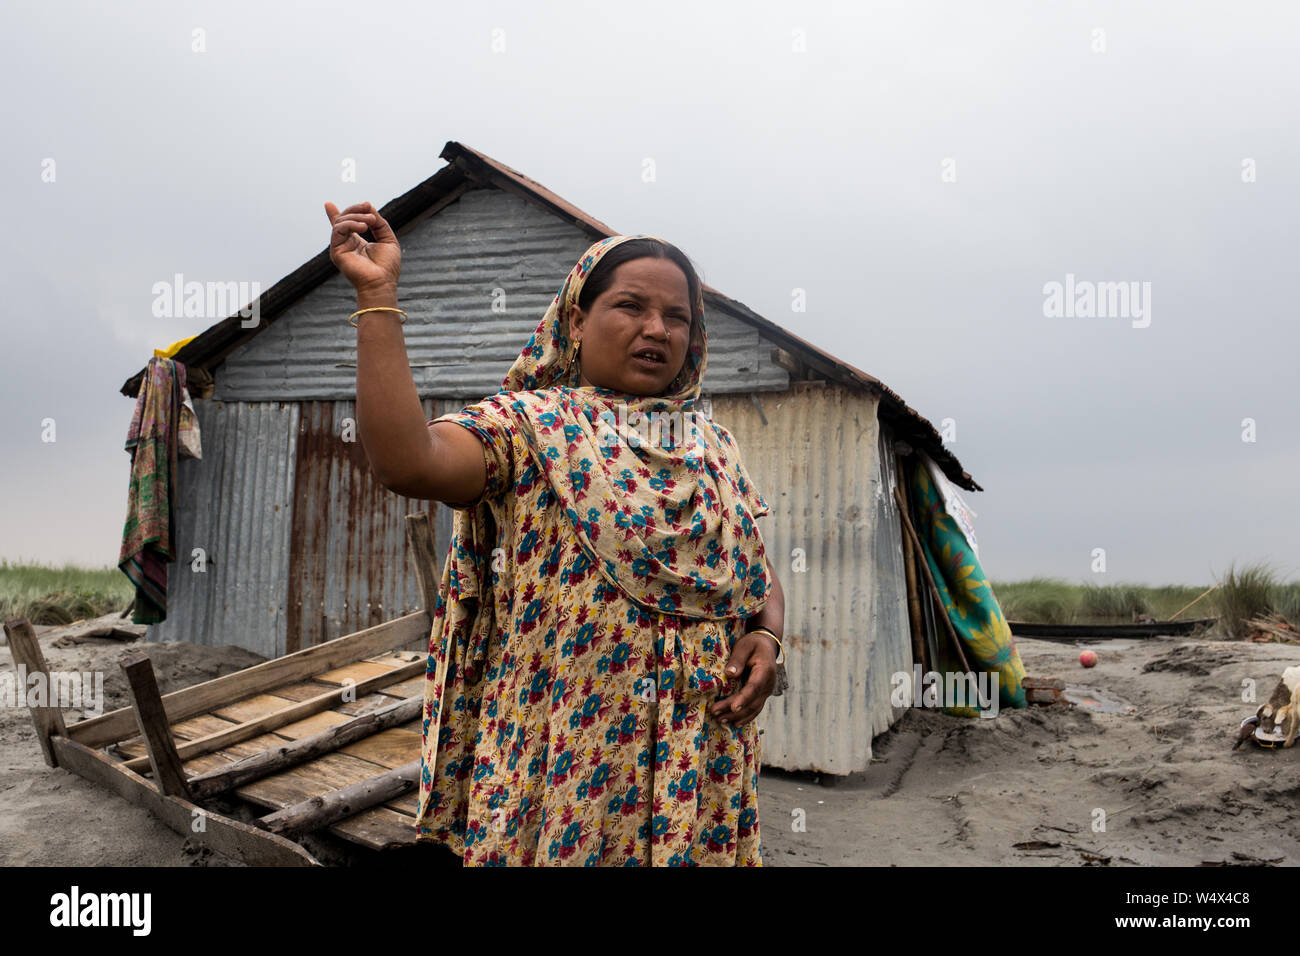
<point x="967" y="596"/>
<point x="150" y="527"/>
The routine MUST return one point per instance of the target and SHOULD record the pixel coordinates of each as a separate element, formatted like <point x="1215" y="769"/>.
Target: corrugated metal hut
<point x="302" y="544"/>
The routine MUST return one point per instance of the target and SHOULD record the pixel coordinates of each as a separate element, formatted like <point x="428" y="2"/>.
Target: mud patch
<point x="1191" y="659"/>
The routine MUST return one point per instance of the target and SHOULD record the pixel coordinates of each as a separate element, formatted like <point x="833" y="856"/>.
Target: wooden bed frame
<point x="327" y="738"/>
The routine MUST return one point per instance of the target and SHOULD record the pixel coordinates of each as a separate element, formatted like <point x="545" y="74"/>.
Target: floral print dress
<point x="579" y="734"/>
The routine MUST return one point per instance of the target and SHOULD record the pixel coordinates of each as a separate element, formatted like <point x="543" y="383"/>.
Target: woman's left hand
<point x="753" y="655"/>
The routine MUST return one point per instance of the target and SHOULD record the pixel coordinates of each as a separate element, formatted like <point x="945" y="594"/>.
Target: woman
<point x="607" y="625"/>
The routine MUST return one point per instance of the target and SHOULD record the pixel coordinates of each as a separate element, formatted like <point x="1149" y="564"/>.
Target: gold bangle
<point x="780" y="648"/>
<point x="352" y="319"/>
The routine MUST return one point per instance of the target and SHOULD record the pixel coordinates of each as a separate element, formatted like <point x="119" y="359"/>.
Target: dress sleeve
<point x="755" y="503"/>
<point x="496" y="433"/>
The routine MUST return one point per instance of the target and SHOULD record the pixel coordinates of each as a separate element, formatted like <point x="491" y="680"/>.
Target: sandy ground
<point x="1021" y="789"/>
<point x="50" y="817"/>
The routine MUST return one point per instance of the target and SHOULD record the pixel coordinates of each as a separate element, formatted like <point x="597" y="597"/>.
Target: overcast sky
<point x="922" y="170"/>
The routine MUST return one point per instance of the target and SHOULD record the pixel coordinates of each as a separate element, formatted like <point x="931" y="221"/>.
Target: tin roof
<point x="468" y="168"/>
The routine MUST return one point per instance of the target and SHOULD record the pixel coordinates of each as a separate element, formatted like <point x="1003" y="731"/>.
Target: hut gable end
<point x="476" y="278"/>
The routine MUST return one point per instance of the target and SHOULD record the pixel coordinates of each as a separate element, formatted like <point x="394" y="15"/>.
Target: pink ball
<point x="1088" y="658"/>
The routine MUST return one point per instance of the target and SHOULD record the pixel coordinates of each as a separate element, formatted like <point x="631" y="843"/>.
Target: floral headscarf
<point x="670" y="524"/>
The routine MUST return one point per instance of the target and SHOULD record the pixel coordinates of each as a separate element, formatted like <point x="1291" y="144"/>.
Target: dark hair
<point x="603" y="274"/>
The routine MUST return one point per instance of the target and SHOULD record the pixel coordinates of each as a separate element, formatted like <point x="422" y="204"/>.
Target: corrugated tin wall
<point x="815" y="454"/>
<point x="891" y="630"/>
<point x="349" y="567"/>
<point x="236" y="505"/>
<point x="303" y="544"/>
<point x="476" y="279"/>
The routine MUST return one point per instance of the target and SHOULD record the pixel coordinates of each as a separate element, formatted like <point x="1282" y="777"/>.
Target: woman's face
<point x="646" y="307"/>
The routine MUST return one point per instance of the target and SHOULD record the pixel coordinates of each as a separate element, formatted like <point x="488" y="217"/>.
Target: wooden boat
<point x="326" y="739"/>
<point x="1093" y="632"/>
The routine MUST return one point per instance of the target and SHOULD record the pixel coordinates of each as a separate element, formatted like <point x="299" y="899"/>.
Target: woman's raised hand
<point x="369" y="266"/>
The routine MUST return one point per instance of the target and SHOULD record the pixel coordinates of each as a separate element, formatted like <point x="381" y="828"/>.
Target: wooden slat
<point x="355" y="672"/>
<point x="380" y="828"/>
<point x="131" y="748"/>
<point x="366" y="704"/>
<point x="301" y="690"/>
<point x="422" y="552"/>
<point x="389" y="748"/>
<point x="400" y="657"/>
<point x="237" y="751"/>
<point x="27" y="651"/>
<point x="313" y="724"/>
<point x="201" y="698"/>
<point x="254" y="745"/>
<point x="205" y="764"/>
<point x="250" y="709"/>
<point x="407" y="688"/>
<point x="146" y="702"/>
<point x="200" y="726"/>
<point x="408" y="805"/>
<point x="190" y="729"/>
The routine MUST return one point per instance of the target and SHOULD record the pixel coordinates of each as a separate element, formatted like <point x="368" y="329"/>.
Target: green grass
<point x="1042" y="600"/>
<point x="1287" y="601"/>
<point x="1253" y="590"/>
<point x="45" y="594"/>
<point x="1241" y="595"/>
<point x="59" y="595"/>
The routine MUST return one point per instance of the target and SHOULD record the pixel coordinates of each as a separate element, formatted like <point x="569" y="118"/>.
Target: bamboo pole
<point x="934" y="588"/>
<point x="1203" y="593"/>
<point x="915" y="617"/>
